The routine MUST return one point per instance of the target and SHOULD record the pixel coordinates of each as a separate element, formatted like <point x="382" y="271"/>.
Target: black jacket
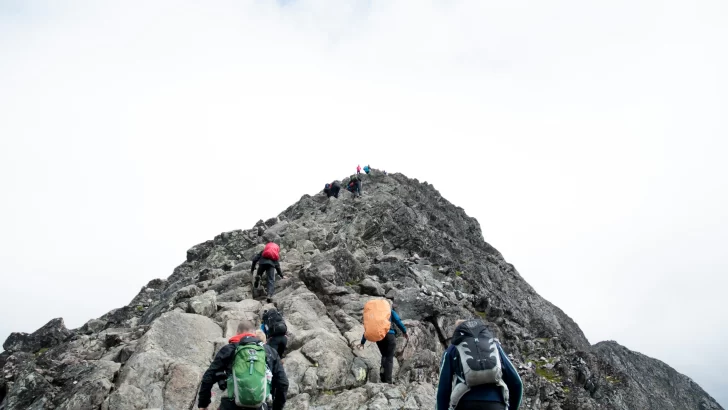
<point x="335" y="187"/>
<point x="260" y="260"/>
<point x="223" y="362"/>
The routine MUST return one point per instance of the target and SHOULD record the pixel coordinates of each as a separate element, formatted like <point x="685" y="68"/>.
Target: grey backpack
<point x="477" y="361"/>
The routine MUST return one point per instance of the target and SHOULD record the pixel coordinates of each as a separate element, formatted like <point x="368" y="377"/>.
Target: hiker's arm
<point x="256" y="258"/>
<point x="512" y="380"/>
<point x="278" y="269"/>
<point x="397" y="321"/>
<point x="444" y="386"/>
<point x="279" y="383"/>
<point x="363" y="339"/>
<point x="219" y="364"/>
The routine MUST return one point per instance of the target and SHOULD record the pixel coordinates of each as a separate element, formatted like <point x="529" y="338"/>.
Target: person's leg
<point x="273" y="342"/>
<point x="271" y="280"/>
<point x="387" y="348"/>
<point x="258" y="274"/>
<point x="279" y="343"/>
<point x="282" y="346"/>
<point x="382" y="345"/>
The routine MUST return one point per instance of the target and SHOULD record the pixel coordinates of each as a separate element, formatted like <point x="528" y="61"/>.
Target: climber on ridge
<point x="378" y="317"/>
<point x="354" y="186"/>
<point x="332" y="189"/>
<point x="275" y="329"/>
<point x="367" y="169"/>
<point x="267" y="262"/>
<point x="358" y="169"/>
<point x="247" y="364"/>
<point x="491" y="384"/>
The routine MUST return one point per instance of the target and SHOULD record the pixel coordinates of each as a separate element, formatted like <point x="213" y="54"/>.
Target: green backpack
<point x="249" y="384"/>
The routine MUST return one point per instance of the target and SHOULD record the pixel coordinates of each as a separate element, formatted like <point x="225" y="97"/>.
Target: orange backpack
<point x="377" y="314"/>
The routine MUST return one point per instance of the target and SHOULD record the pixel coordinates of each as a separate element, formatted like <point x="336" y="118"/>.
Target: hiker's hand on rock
<point x="360" y="346"/>
<point x="406" y="336"/>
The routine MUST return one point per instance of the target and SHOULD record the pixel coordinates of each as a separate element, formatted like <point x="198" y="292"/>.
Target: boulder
<point x="51" y="334"/>
<point x="370" y="287"/>
<point x="166" y="367"/>
<point x="205" y="304"/>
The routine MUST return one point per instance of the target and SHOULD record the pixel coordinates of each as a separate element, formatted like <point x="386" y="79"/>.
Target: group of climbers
<point x="250" y="370"/>
<point x="475" y="372"/>
<point x="353" y="186"/>
<point x="332" y="189"/>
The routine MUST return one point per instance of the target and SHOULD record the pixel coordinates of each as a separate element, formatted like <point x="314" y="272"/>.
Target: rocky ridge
<point x="401" y="240"/>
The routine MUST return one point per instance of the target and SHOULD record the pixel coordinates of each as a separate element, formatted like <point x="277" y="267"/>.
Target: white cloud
<point x="587" y="138"/>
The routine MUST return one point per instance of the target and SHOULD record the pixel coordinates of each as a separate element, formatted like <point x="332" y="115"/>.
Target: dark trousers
<point x="335" y="192"/>
<point x="480" y="405"/>
<point x="227" y="404"/>
<point x="270" y="271"/>
<point x="278" y="343"/>
<point x="387" y="348"/>
<point x="356" y="189"/>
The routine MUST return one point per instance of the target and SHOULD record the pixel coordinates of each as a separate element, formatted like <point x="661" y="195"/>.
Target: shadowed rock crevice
<point x="400" y="240"/>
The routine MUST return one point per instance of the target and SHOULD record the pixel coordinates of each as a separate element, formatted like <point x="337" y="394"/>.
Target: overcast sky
<point x="587" y="137"/>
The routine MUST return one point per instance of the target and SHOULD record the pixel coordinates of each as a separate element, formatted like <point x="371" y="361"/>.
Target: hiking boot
<point x="257" y="282"/>
<point x="269" y="300"/>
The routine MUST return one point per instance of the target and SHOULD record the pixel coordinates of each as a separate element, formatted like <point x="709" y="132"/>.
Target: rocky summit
<point x="401" y="240"/>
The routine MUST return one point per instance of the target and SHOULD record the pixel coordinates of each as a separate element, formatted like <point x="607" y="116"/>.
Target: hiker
<point x="367" y="169"/>
<point x="493" y="384"/>
<point x="267" y="262"/>
<point x="275" y="329"/>
<point x="378" y="318"/>
<point x="354" y="186"/>
<point x="335" y="187"/>
<point x="253" y="372"/>
<point x="332" y="189"/>
<point x="358" y="169"/>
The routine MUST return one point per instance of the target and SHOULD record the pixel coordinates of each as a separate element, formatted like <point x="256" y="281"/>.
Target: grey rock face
<point x="205" y="304"/>
<point x="51" y="334"/>
<point x="401" y="240"/>
<point x="665" y="385"/>
<point x="169" y="361"/>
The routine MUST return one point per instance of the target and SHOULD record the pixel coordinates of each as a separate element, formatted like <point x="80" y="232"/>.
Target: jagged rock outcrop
<point x="402" y="240"/>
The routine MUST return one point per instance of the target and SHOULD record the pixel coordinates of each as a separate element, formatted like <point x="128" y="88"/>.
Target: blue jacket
<point x="394" y="318"/>
<point x="479" y="393"/>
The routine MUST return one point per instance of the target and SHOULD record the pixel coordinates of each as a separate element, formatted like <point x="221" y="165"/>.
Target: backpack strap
<point x="459" y="387"/>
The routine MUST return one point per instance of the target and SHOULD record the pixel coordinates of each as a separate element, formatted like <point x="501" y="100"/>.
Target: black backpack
<point x="273" y="321"/>
<point x="478" y="359"/>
